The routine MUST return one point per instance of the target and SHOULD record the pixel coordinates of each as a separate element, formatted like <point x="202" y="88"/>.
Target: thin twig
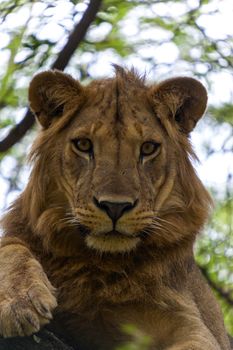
<point x="75" y="38"/>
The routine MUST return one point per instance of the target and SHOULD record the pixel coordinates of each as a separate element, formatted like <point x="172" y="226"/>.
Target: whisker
<point x="165" y="221"/>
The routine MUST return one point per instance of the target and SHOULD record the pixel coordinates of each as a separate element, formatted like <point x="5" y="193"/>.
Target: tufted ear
<point x="51" y="93"/>
<point x="182" y="99"/>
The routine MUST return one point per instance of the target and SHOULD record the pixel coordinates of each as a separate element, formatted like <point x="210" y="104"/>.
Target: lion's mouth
<point x="110" y="234"/>
<point x="115" y="233"/>
<point x="112" y="241"/>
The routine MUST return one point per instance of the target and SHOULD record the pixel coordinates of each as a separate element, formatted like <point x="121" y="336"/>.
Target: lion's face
<point x="117" y="164"/>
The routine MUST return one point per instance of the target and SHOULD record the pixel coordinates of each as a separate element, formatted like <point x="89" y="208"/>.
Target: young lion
<point x="103" y="234"/>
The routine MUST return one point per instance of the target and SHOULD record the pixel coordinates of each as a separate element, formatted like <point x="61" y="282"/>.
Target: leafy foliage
<point x="139" y="341"/>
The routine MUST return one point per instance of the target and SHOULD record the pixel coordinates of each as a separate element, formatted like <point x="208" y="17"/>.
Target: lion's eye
<point x="83" y="145"/>
<point x="149" y="147"/>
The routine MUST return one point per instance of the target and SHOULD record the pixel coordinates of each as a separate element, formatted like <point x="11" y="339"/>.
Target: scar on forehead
<point x="96" y="126"/>
<point x="138" y="128"/>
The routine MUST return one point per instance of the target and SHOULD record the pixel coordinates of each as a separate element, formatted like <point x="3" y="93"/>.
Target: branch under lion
<point x="44" y="340"/>
<point x="74" y="40"/>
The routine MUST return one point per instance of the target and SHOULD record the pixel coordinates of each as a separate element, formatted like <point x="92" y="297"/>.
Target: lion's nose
<point x="114" y="209"/>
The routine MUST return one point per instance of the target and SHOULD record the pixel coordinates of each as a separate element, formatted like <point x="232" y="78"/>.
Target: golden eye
<point x="149" y="147"/>
<point x="83" y="145"/>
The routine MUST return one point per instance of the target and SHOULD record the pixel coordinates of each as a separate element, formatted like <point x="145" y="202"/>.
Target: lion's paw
<point x="25" y="312"/>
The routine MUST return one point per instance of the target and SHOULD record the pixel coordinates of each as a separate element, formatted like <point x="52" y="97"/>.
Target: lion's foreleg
<point x="27" y="298"/>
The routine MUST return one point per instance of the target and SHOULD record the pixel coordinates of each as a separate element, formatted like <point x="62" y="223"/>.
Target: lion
<point x="103" y="233"/>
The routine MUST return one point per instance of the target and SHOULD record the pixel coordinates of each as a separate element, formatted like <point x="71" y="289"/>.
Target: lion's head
<point x="112" y="162"/>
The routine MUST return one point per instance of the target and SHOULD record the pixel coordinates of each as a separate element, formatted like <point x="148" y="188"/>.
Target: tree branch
<point x="78" y="35"/>
<point x="226" y="295"/>
<point x="75" y="38"/>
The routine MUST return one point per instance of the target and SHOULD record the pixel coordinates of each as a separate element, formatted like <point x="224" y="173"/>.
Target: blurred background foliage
<point x="165" y="38"/>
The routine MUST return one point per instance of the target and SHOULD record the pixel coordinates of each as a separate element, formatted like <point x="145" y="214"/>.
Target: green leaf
<point x="223" y="113"/>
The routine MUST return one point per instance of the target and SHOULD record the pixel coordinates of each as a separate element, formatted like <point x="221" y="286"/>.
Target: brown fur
<point x="145" y="272"/>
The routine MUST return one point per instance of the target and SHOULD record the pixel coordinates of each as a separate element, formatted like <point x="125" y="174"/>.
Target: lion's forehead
<point x="117" y="113"/>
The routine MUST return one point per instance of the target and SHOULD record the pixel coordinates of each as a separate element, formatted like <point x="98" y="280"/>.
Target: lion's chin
<point x="110" y="243"/>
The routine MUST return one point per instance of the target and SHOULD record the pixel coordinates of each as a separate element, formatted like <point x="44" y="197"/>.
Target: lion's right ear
<point x="50" y="93"/>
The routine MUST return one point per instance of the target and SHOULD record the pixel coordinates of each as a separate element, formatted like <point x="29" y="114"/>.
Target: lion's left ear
<point x="51" y="93"/>
<point x="182" y="99"/>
